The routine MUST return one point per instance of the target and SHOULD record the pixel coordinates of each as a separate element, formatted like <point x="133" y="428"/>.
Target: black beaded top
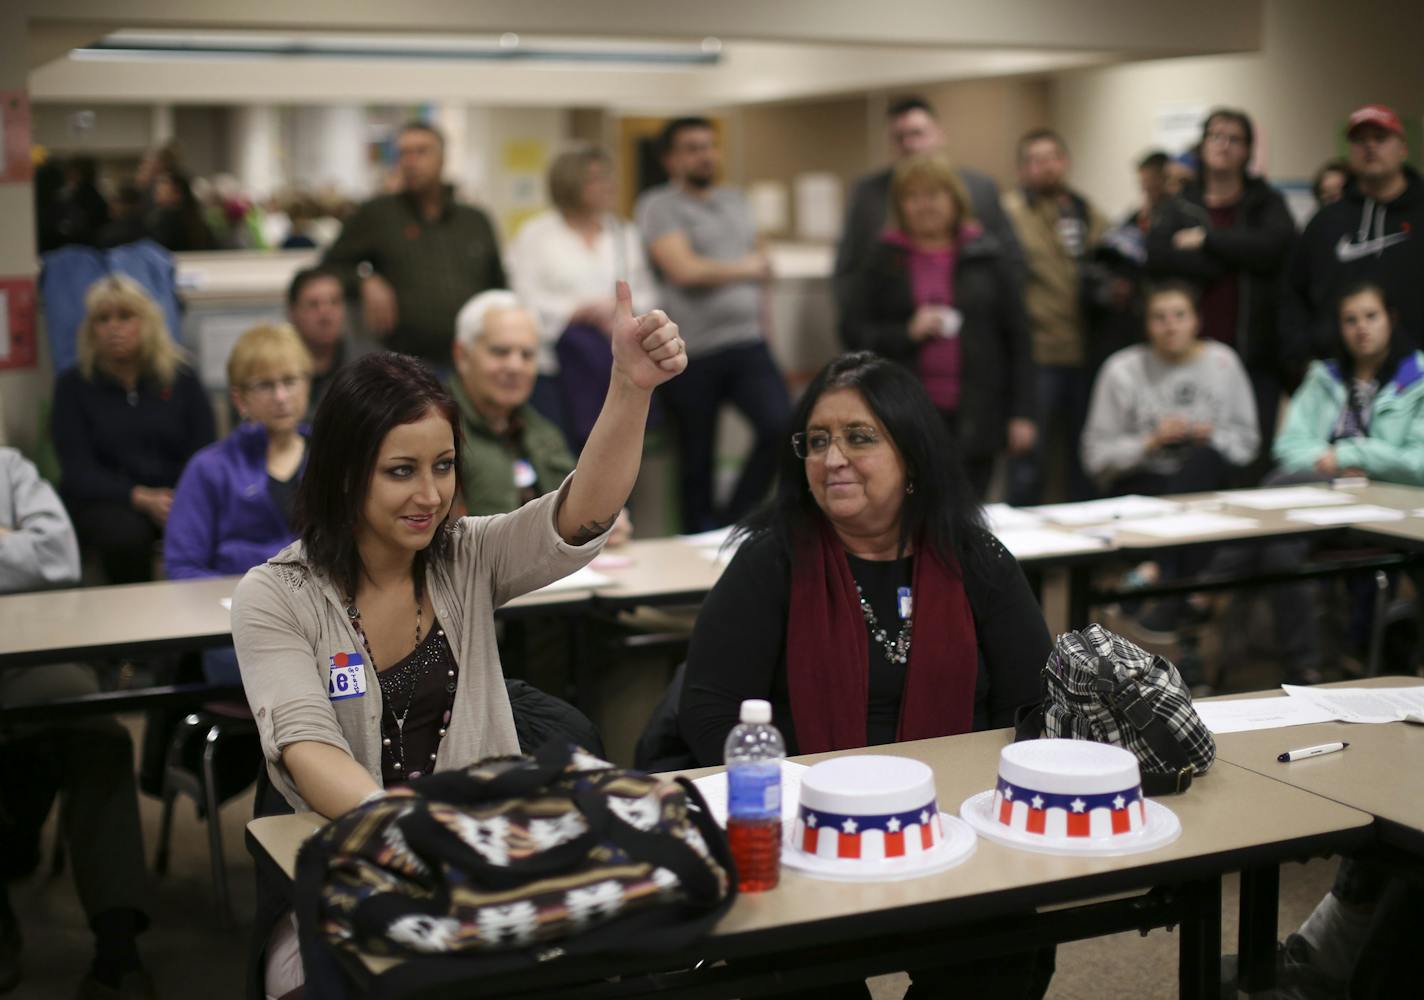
<point x="419" y="691"/>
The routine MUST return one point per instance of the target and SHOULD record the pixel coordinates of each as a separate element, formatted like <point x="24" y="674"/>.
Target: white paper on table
<point x="713" y="539"/>
<point x="719" y="556"/>
<point x="1362" y="704"/>
<point x="579" y="579"/>
<point x="1418" y="512"/>
<point x="225" y="602"/>
<point x="1245" y="714"/>
<point x="1002" y="517"/>
<point x="1285" y="497"/>
<point x="1353" y="514"/>
<point x="1191" y="523"/>
<point x="714" y="789"/>
<point x="1132" y="505"/>
<point x="1025" y="543"/>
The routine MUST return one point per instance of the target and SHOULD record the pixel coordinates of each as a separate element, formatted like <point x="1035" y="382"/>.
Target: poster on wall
<point x="15" y="134"/>
<point x="17" y="323"/>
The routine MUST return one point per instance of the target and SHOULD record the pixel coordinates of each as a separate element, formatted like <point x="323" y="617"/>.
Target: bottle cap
<point x="756" y="710"/>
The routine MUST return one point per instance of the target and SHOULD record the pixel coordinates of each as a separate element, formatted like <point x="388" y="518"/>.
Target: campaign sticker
<point x="348" y="676"/>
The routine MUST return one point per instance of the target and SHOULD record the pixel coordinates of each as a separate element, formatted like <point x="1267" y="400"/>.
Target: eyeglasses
<point x="269" y="386"/>
<point x="815" y="444"/>
<point x="1225" y="138"/>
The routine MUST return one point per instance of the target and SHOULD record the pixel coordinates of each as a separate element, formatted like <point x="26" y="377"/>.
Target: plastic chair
<point x="214" y="755"/>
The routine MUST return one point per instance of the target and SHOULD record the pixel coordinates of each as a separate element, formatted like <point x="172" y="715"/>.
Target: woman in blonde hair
<point x="233" y="508"/>
<point x="937" y="293"/>
<point x="126" y="420"/>
<point x="562" y="264"/>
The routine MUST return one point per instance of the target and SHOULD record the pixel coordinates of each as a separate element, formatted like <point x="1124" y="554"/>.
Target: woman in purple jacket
<point x="232" y="509"/>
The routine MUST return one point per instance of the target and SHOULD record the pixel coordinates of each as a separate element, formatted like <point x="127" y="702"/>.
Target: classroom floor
<point x="187" y="946"/>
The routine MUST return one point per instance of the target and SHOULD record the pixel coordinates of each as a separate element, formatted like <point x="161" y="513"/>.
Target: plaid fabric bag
<point x="1099" y="686"/>
<point x="511" y="862"/>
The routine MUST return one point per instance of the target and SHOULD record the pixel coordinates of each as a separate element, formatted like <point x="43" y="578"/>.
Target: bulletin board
<point x="17" y="323"/>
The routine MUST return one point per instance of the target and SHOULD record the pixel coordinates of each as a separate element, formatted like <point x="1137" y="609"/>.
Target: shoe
<point x="11" y="944"/>
<point x="134" y="985"/>
<point x="1297" y="978"/>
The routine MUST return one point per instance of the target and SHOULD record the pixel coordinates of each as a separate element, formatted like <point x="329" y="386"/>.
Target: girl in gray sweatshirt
<point x="1158" y="404"/>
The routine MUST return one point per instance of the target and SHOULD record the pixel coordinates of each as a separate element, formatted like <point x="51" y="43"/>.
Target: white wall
<point x="1320" y="60"/>
<point x="122" y="128"/>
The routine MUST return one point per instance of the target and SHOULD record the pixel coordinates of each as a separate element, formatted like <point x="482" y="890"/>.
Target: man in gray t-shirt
<point x="704" y="247"/>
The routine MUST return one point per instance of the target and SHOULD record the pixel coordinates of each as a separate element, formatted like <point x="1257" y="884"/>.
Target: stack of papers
<point x="1242" y="715"/>
<point x="1121" y="508"/>
<point x="714" y="789"/>
<point x="1306" y="705"/>
<point x="1026" y="543"/>
<point x="1002" y="517"/>
<point x="1191" y="523"/>
<point x="1353" y="514"/>
<point x="713" y="539"/>
<point x="1396" y="704"/>
<point x="1285" y="497"/>
<point x="581" y="579"/>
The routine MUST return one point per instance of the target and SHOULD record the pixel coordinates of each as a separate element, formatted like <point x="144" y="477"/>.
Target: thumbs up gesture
<point x="646" y="349"/>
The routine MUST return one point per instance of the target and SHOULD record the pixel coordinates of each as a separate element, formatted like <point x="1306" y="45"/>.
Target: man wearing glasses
<point x="1229" y="233"/>
<point x="1372" y="232"/>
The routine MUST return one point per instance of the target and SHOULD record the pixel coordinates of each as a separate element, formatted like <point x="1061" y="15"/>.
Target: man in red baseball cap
<point x="1375" y="231"/>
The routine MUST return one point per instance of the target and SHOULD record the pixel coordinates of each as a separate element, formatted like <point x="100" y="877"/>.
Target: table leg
<point x="1056" y="597"/>
<point x="1256" y="945"/>
<point x="1199" y="954"/>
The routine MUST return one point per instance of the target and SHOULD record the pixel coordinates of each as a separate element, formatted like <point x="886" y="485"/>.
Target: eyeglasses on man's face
<point x="855" y="441"/>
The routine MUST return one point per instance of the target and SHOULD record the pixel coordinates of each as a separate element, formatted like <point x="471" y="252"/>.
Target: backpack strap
<point x="1127" y="699"/>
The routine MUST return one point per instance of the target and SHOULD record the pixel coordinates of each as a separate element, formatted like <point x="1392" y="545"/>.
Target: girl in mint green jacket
<point x="1362" y="412"/>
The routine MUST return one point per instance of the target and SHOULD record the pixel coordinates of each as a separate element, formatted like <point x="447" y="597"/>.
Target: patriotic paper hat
<point x="1070" y="796"/>
<point x="873" y="817"/>
<point x="867" y="807"/>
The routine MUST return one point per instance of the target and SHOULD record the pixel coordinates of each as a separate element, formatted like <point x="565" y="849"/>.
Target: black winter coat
<point x="996" y="365"/>
<point x="1255" y="250"/>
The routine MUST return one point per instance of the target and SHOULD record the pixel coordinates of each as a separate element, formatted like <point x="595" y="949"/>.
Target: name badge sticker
<point x="524" y="474"/>
<point x="905" y="601"/>
<point x="347" y="678"/>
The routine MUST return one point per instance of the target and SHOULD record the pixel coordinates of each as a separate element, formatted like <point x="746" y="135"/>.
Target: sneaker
<point x="1297" y="978"/>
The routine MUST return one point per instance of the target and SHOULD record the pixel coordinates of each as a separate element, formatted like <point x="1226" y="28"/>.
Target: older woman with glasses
<point x="126" y="419"/>
<point x="233" y="506"/>
<point x="867" y="602"/>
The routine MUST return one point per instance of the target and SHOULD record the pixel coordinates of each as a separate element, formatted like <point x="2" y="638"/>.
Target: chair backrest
<point x="661" y="747"/>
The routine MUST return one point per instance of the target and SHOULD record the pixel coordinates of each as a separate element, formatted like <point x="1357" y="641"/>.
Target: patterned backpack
<point x="1099" y="686"/>
<point x="511" y="862"/>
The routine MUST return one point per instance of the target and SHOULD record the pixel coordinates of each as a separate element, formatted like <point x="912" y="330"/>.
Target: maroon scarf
<point x="828" y="651"/>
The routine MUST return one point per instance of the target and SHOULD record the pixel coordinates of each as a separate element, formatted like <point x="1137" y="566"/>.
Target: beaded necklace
<point x="408" y="681"/>
<point x="897" y="650"/>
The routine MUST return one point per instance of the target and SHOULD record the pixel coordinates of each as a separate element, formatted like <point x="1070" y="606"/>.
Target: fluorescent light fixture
<point x="507" y="46"/>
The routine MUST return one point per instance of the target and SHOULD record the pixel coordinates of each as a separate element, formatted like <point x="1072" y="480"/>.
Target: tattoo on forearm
<point x="588" y="532"/>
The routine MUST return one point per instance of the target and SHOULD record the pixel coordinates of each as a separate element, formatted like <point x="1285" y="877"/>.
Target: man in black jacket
<point x="1230" y="234"/>
<point x="913" y="128"/>
<point x="1376" y="232"/>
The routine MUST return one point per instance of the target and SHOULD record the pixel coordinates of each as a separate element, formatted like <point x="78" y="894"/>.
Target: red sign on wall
<point x="15" y="132"/>
<point x="17" y="323"/>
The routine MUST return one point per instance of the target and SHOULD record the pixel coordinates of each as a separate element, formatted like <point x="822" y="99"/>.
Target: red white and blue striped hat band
<point x="1051" y="814"/>
<point x="868" y="838"/>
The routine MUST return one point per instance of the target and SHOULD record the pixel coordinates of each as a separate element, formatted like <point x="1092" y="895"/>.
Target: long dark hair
<point x="367" y="398"/>
<point x="1400" y="344"/>
<point x="941" y="513"/>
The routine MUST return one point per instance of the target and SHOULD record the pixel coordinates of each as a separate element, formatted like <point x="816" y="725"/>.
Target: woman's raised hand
<point x="647" y="349"/>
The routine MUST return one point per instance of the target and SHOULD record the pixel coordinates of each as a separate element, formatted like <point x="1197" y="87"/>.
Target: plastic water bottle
<point x="753" y="754"/>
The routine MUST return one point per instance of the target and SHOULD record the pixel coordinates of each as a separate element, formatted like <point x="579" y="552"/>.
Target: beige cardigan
<point x="288" y="622"/>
